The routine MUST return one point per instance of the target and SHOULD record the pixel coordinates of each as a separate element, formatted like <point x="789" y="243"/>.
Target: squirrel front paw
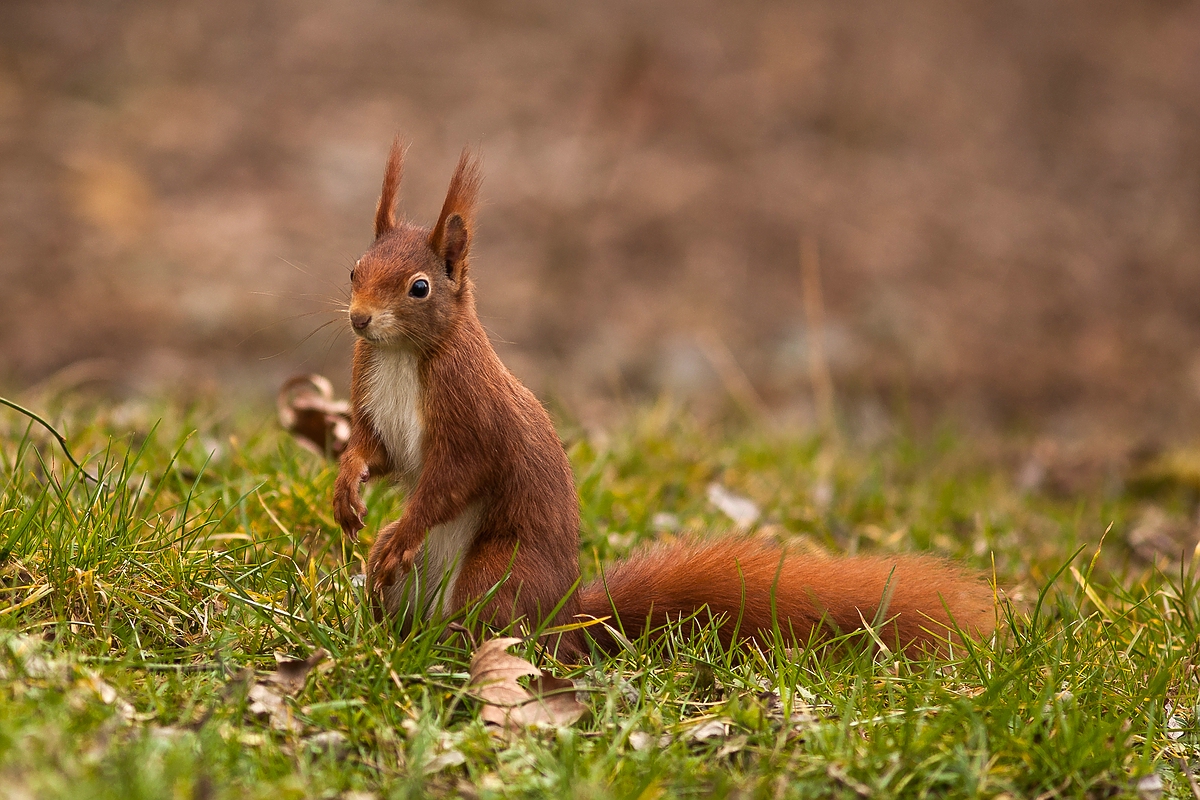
<point x="349" y="509"/>
<point x="392" y="557"/>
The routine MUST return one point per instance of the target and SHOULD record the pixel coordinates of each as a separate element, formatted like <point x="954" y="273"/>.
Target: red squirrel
<point x="491" y="495"/>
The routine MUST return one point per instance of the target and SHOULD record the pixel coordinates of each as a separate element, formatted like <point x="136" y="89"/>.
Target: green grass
<point x="128" y="609"/>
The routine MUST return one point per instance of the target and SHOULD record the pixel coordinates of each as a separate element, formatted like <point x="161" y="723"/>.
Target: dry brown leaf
<point x="713" y="729"/>
<point x="291" y="673"/>
<point x="719" y="731"/>
<point x="640" y="740"/>
<point x="107" y="695"/>
<point x="268" y="694"/>
<point x="450" y="758"/>
<point x="734" y="744"/>
<point x="510" y="705"/>
<point x="266" y="702"/>
<point x="308" y="411"/>
<point x="802" y="714"/>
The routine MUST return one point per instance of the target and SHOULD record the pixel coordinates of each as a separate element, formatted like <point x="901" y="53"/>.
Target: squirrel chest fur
<point x="491" y="508"/>
<point x="393" y="404"/>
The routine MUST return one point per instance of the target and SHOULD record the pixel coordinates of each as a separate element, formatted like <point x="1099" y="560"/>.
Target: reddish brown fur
<point x="755" y="585"/>
<point x="487" y="442"/>
<point x="385" y="211"/>
<point x="461" y="199"/>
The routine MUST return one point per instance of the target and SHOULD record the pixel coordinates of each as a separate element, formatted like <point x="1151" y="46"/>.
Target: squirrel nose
<point x="360" y="321"/>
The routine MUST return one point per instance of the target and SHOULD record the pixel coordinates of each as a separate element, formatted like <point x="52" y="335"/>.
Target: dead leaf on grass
<point x="640" y="740"/>
<point x="1149" y="787"/>
<point x="716" y="731"/>
<point x="510" y="705"/>
<point x="291" y="673"/>
<point x="268" y="694"/>
<point x="450" y="758"/>
<point x="713" y="729"/>
<point x="307" y="410"/>
<point x="266" y="702"/>
<point x="734" y="744"/>
<point x="94" y="684"/>
<point x="802" y="714"/>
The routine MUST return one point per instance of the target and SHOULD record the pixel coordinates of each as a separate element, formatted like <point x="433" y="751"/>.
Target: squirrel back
<point x="492" y="506"/>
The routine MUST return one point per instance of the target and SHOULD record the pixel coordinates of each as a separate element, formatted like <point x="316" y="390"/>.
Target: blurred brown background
<point x="1005" y="195"/>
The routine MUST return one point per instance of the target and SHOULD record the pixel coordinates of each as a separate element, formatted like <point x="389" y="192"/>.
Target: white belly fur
<point x="427" y="592"/>
<point x="393" y="402"/>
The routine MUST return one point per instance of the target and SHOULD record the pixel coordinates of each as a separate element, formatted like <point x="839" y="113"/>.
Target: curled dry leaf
<point x="802" y="714"/>
<point x="1149" y="787"/>
<point x="640" y="740"/>
<point x="510" y="705"/>
<point x="267" y="695"/>
<point x="107" y="695"/>
<point x="717" y="731"/>
<point x="308" y="411"/>
<point x="713" y="729"/>
<point x="1176" y="726"/>
<point x="291" y="673"/>
<point x="266" y="702"/>
<point x="450" y="758"/>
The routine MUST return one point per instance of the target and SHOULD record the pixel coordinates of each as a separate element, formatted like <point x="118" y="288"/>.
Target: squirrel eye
<point x="352" y="275"/>
<point x="419" y="289"/>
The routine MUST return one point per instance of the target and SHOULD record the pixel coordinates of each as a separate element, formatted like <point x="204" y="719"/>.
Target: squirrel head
<point x="412" y="286"/>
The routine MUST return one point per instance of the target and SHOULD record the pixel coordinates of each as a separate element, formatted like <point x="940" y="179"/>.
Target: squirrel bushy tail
<point x="754" y="584"/>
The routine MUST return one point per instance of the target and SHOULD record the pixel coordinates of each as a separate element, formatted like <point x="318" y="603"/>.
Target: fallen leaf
<point x="266" y="702"/>
<point x="291" y="673"/>
<point x="450" y="758"/>
<point x="27" y="655"/>
<point x="742" y="510"/>
<point x="308" y="411"/>
<point x="1149" y="787"/>
<point x="494" y="675"/>
<point x="802" y="714"/>
<point x="267" y="695"/>
<point x="713" y="729"/>
<point x="734" y="744"/>
<point x="640" y="740"/>
<point x="108" y="695"/>
<point x="1175" y="727"/>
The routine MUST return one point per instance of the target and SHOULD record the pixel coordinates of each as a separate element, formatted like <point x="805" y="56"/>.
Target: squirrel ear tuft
<point x="454" y="246"/>
<point x="385" y="212"/>
<point x="451" y="237"/>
